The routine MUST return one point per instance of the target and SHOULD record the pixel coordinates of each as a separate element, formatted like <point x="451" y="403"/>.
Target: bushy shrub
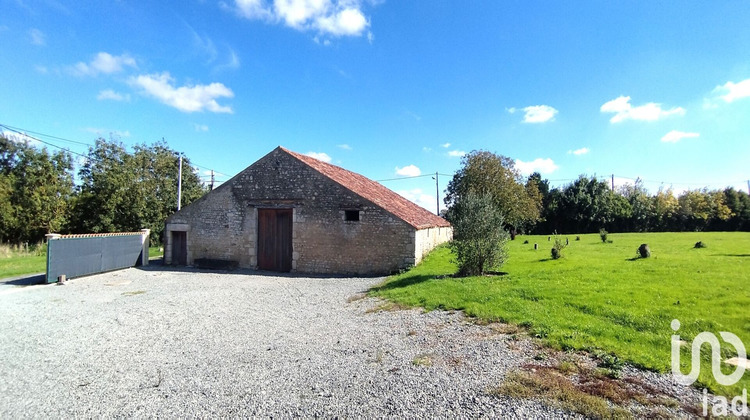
<point x="644" y="251"/>
<point x="557" y="248"/>
<point x="479" y="237"/>
<point x="603" y="234"/>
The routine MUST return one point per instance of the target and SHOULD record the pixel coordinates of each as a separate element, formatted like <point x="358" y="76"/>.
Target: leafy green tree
<point x="738" y="203"/>
<point x="479" y="237"/>
<point x="589" y="205"/>
<point x="699" y="207"/>
<point x="665" y="207"/>
<point x="35" y="189"/>
<point x="484" y="172"/>
<point x="123" y="191"/>
<point x="642" y="215"/>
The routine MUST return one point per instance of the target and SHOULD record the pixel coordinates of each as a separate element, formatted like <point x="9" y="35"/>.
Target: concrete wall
<point x="428" y="239"/>
<point x="223" y="223"/>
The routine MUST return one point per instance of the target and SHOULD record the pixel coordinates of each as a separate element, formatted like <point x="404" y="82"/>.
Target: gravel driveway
<point x="157" y="342"/>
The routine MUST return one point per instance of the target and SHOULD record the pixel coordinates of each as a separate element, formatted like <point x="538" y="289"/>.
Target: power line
<point x="24" y="132"/>
<point x="44" y="142"/>
<point x="15" y="129"/>
<point x="411" y="177"/>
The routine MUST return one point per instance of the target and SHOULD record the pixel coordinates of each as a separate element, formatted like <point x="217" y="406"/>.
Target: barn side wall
<point x="217" y="227"/>
<point x="428" y="239"/>
<point x="223" y="224"/>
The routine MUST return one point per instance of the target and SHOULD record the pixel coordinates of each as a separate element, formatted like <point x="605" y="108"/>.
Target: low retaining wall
<point x="81" y="255"/>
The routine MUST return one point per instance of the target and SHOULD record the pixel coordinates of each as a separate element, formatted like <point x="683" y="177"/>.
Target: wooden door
<point x="275" y="239"/>
<point x="179" y="248"/>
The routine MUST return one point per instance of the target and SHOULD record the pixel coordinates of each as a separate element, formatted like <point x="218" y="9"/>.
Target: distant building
<point x="290" y="212"/>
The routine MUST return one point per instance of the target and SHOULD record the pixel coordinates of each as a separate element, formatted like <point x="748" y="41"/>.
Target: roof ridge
<point x="379" y="194"/>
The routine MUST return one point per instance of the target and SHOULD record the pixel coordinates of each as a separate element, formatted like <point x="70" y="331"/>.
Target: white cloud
<point x="409" y="170"/>
<point x="185" y="98"/>
<point x="446" y="145"/>
<point x="320" y="156"/>
<point x="103" y="131"/>
<point x="418" y="197"/>
<point x="200" y="127"/>
<point x="543" y="166"/>
<point x="426" y="149"/>
<point x="233" y="63"/>
<point x="254" y="9"/>
<point x="344" y="147"/>
<point x="349" y="21"/>
<point x="538" y="114"/>
<point x="456" y="153"/>
<point x="619" y="182"/>
<point x="111" y="95"/>
<point x="20" y="138"/>
<point x="624" y="110"/>
<point x="579" y="152"/>
<point x="328" y="17"/>
<point x="104" y="63"/>
<point x="37" y="37"/>
<point x="731" y="91"/>
<point x="674" y="136"/>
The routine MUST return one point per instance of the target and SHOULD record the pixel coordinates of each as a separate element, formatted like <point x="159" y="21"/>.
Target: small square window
<point x="351" y="215"/>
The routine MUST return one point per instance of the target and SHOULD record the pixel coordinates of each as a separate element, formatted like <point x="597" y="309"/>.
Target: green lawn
<point x="598" y="297"/>
<point x="13" y="264"/>
<point x="18" y="265"/>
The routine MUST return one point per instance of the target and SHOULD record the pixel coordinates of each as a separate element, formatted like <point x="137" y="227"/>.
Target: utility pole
<point x="211" y="186"/>
<point x="179" y="185"/>
<point x="613" y="182"/>
<point x="437" y="194"/>
<point x="748" y="186"/>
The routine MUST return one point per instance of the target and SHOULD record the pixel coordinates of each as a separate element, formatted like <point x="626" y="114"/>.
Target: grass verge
<point x="600" y="298"/>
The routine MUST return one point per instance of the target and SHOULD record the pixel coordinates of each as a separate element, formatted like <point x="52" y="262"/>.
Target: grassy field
<point x="600" y="298"/>
<point x="14" y="263"/>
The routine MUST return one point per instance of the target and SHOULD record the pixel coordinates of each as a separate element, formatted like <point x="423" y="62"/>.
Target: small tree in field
<point x="479" y="236"/>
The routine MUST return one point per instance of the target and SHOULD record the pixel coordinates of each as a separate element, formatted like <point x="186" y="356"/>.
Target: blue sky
<point x="656" y="90"/>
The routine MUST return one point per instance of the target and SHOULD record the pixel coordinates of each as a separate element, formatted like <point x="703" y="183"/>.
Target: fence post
<point x="49" y="237"/>
<point x="145" y="243"/>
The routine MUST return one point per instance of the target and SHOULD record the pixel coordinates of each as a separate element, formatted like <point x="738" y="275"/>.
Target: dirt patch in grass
<point x="588" y="391"/>
<point x="354" y="298"/>
<point x="388" y="307"/>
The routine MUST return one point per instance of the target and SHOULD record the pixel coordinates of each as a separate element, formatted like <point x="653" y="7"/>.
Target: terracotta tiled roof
<point x="370" y="190"/>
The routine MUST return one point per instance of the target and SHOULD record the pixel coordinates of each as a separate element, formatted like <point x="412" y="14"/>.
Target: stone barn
<point x="290" y="212"/>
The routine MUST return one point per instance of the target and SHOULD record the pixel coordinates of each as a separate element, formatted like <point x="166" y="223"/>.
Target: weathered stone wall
<point x="217" y="227"/>
<point x="223" y="224"/>
<point x="428" y="239"/>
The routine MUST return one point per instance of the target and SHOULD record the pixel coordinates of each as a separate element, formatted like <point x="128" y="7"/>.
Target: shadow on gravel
<point x="158" y="265"/>
<point x="28" y="280"/>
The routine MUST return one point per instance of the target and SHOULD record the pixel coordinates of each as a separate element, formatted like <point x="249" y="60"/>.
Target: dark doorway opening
<point x="179" y="248"/>
<point x="275" y="239"/>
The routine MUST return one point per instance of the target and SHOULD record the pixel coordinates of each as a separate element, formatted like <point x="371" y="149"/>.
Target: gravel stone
<point x="185" y="343"/>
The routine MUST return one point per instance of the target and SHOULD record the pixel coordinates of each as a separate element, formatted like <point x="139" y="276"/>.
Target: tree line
<point x="588" y="204"/>
<point x="114" y="189"/>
